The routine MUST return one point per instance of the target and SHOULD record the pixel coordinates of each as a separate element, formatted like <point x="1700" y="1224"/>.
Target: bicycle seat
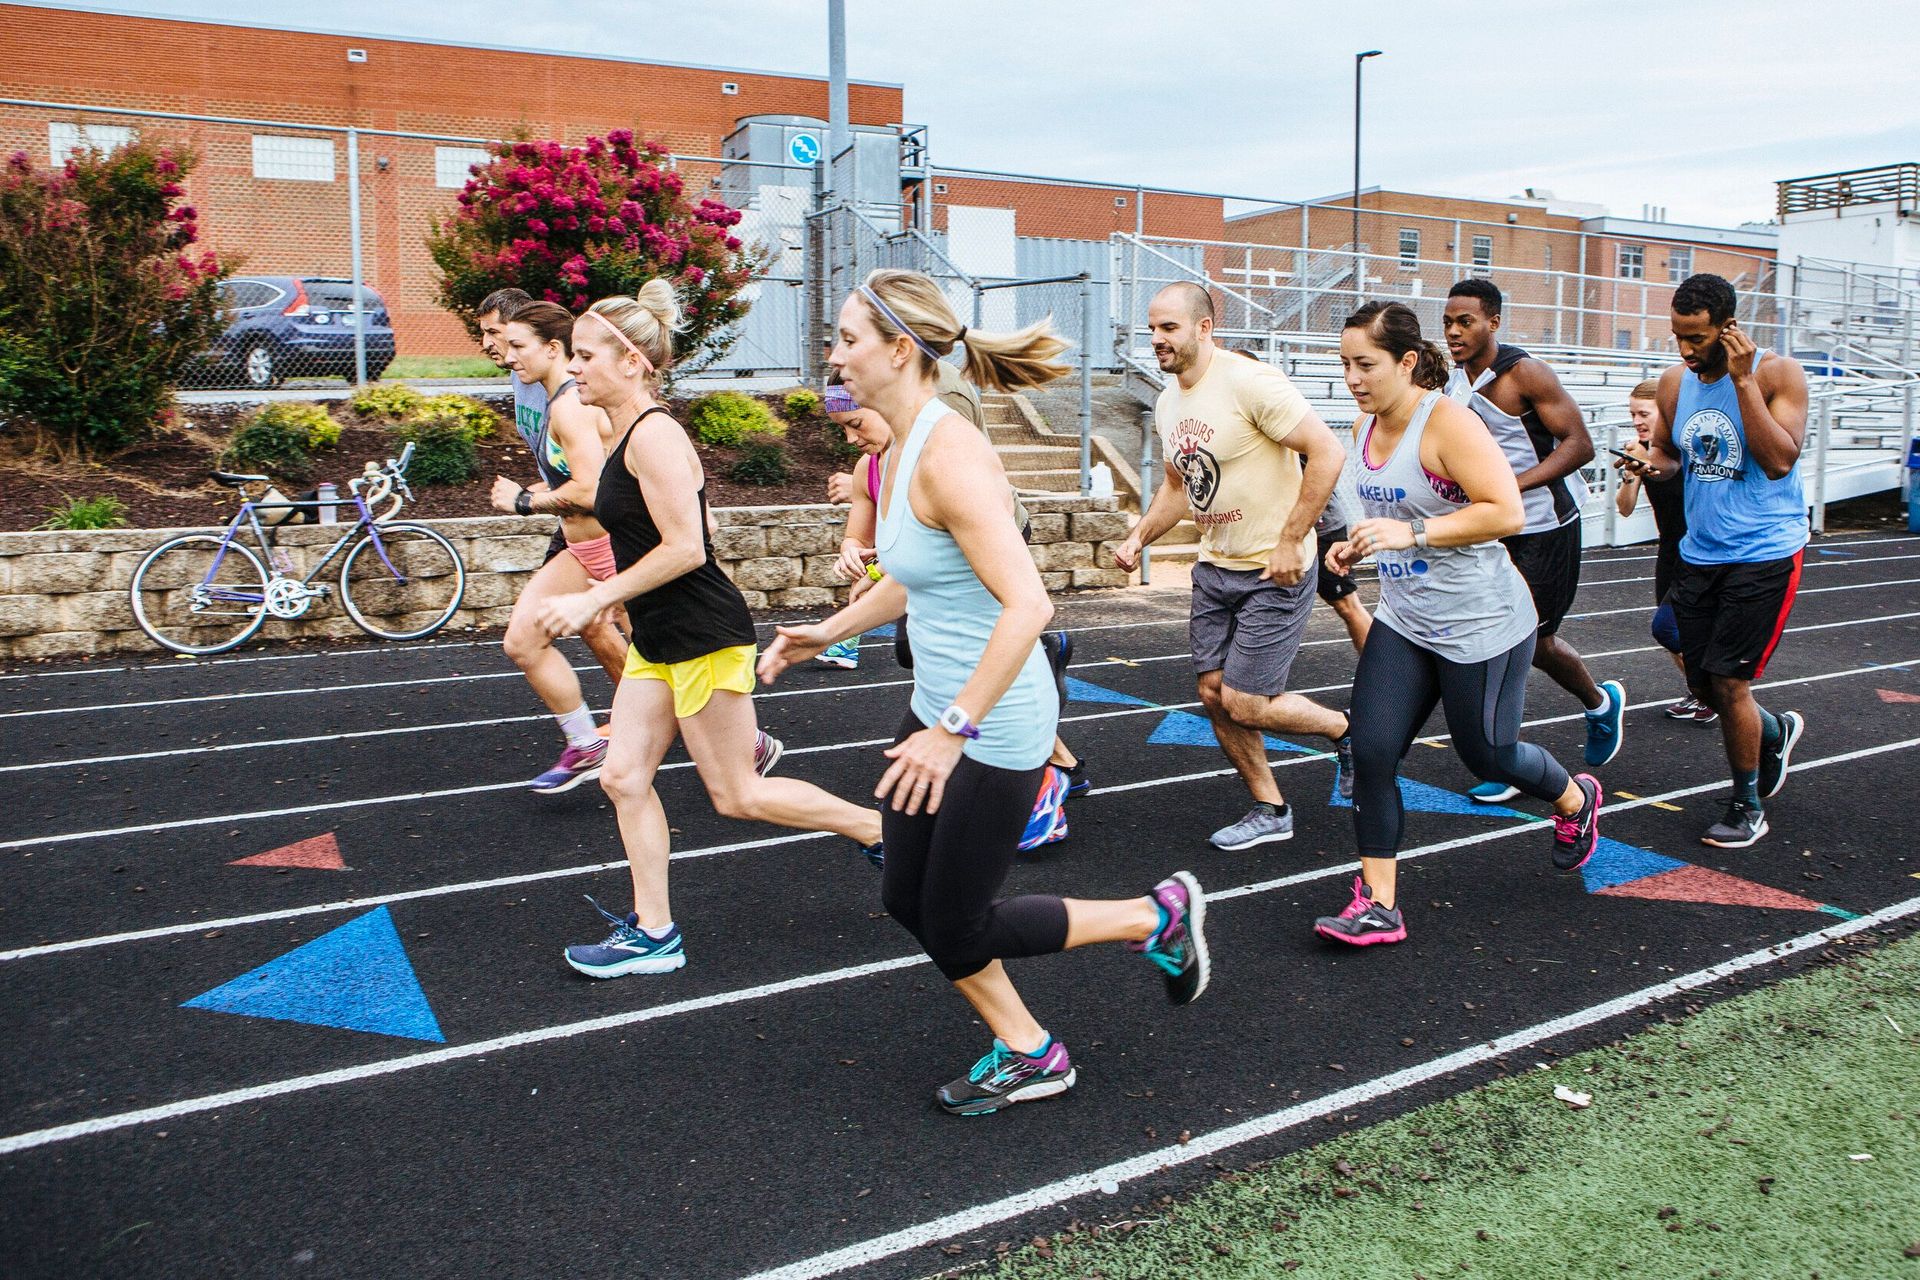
<point x="233" y="481"/>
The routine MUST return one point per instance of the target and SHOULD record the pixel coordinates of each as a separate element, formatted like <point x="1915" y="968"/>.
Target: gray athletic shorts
<point x="1246" y="629"/>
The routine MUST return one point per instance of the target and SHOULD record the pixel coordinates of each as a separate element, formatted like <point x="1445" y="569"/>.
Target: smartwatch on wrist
<point x="523" y="502"/>
<point x="1419" y="526"/>
<point x="956" y="721"/>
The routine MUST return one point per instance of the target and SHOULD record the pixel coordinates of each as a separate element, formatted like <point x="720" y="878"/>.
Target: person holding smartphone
<point x="1670" y="521"/>
<point x="1732" y="419"/>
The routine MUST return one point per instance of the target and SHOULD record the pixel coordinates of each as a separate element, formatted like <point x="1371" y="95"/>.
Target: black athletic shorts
<point x="1550" y="562"/>
<point x="1665" y="561"/>
<point x="556" y="544"/>
<point x="1333" y="587"/>
<point x="1731" y="616"/>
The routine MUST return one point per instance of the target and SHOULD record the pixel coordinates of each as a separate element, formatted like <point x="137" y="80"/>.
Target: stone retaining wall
<point x="65" y="594"/>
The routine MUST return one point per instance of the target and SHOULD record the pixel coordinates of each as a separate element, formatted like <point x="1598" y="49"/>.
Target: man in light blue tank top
<point x="1732" y="421"/>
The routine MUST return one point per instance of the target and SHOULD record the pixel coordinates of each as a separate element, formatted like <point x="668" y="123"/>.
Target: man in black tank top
<point x="1547" y="552"/>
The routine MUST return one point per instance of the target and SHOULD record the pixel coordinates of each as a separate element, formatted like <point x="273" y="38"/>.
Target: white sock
<point x="660" y="933"/>
<point x="578" y="725"/>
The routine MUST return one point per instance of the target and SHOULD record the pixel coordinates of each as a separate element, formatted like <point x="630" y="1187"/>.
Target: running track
<point x="765" y="1111"/>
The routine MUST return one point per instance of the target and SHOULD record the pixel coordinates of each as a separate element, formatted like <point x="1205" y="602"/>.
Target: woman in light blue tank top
<point x="1455" y="626"/>
<point x="970" y="755"/>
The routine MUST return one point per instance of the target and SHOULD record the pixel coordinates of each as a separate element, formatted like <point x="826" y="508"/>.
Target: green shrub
<point x="279" y="438"/>
<point x="763" y="460"/>
<point x="443" y="451"/>
<point x="802" y="404"/>
<point x="104" y="512"/>
<point x="730" y="417"/>
<point x="390" y="402"/>
<point x="475" y="418"/>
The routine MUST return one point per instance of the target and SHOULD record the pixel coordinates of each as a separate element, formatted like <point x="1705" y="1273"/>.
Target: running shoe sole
<point x="1025" y="1093"/>
<point x="1758" y="831"/>
<point x="1334" y="935"/>
<point x="845" y="664"/>
<point x="1273" y="838"/>
<point x="584" y="775"/>
<point x="639" y="964"/>
<point x="1495" y="797"/>
<point x="1196" y="929"/>
<point x="1792" y="725"/>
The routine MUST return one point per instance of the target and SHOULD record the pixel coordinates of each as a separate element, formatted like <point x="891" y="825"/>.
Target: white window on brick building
<point x="64" y="139"/>
<point x="1679" y="264"/>
<point x="1483" y="255"/>
<point x="297" y="159"/>
<point x="450" y="164"/>
<point x="1409" y="247"/>
<point x="1633" y="262"/>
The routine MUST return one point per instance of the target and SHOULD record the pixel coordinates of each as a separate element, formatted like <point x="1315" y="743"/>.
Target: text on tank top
<point x="953" y="616"/>
<point x="1735" y="514"/>
<point x="1524" y="439"/>
<point x="1466" y="604"/>
<point x="698" y="612"/>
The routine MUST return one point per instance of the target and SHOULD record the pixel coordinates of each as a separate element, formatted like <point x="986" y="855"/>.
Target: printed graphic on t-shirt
<point x="1712" y="446"/>
<point x="1197" y="463"/>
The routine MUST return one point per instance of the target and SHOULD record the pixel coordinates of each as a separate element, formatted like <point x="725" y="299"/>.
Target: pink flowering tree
<point x="104" y="296"/>
<point x="573" y="225"/>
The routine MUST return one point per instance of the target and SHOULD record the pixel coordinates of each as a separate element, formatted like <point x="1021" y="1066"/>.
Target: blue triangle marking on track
<point x="1081" y="691"/>
<point x="1614" y="862"/>
<point x="357" y="977"/>
<point x="884" y="631"/>
<point x="1421" y="797"/>
<point x="1184" y="729"/>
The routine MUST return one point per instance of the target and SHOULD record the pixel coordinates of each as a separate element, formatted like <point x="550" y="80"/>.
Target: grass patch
<point x="1715" y="1146"/>
<point x="442" y="367"/>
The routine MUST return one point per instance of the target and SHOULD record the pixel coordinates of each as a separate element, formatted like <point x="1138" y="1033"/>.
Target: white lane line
<point x="345" y="1075"/>
<point x="1809" y="591"/>
<point x="1207" y="1146"/>
<point x="1805" y="565"/>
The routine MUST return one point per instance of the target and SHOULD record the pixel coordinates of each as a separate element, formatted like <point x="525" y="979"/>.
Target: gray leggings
<point x="1395" y="689"/>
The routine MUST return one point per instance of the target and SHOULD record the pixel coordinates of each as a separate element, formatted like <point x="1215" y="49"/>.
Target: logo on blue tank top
<point x="1712" y="445"/>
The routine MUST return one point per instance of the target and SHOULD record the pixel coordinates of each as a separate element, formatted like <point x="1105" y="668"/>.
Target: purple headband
<point x="897" y="323"/>
<point x="837" y="400"/>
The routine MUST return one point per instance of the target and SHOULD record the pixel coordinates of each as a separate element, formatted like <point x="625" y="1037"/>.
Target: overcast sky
<point x="1698" y="106"/>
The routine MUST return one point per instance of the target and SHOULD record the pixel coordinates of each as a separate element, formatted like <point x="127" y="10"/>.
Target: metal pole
<point x="1823" y="426"/>
<point x="1147" y="486"/>
<point x="837" y="131"/>
<point x="1086" y="385"/>
<point x="977" y="294"/>
<point x="818" y="287"/>
<point x="353" y="234"/>
<point x="1359" y="269"/>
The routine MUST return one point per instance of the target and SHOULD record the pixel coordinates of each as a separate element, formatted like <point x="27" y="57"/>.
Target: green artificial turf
<point x="442" y="367"/>
<point x="1716" y="1145"/>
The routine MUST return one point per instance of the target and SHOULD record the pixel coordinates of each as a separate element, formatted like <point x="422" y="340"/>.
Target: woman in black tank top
<point x="690" y="671"/>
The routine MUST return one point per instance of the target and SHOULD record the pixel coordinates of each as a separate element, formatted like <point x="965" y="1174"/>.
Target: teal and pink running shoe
<point x="1178" y="947"/>
<point x="1005" y="1077"/>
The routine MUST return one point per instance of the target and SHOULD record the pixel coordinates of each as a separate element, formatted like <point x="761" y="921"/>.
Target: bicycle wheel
<point x="402" y="582"/>
<point x="199" y="594"/>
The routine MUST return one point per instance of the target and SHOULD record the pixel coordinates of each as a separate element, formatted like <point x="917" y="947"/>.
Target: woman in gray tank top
<point x="1455" y="624"/>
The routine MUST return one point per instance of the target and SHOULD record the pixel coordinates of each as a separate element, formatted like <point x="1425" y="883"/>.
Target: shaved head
<point x="1195" y="299"/>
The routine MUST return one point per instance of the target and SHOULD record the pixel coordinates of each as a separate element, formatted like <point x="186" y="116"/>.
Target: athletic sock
<point x="660" y="934"/>
<point x="1606" y="705"/>
<point x="1746" y="787"/>
<point x="1046" y="1043"/>
<point x="578" y="725"/>
<point x="1770" y="729"/>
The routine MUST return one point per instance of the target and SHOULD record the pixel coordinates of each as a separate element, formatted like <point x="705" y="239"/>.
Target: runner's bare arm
<point x="1315" y="442"/>
<point x="1168" y="508"/>
<point x="573" y="425"/>
<point x="1773" y="403"/>
<point x="1573" y="445"/>
<point x="1467" y="455"/>
<point x="1663" y="459"/>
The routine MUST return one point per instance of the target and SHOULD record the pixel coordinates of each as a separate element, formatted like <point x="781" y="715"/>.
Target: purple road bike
<point x="204" y="593"/>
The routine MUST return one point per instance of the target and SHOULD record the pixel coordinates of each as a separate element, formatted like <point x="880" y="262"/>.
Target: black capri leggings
<point x="1395" y="690"/>
<point x="943" y="870"/>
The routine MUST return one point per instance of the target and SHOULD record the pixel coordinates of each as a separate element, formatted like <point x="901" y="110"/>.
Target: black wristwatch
<point x="523" y="502"/>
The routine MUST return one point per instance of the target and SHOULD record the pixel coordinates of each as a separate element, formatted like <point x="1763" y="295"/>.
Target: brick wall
<point x="1075" y="211"/>
<point x="300" y="228"/>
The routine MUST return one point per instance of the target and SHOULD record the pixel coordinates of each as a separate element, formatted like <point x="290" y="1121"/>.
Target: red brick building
<point x="278" y="196"/>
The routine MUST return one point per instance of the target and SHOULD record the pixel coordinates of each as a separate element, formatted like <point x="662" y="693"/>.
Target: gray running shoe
<point x="1742" y="826"/>
<point x="1263" y="824"/>
<point x="1774" y="759"/>
<point x="1005" y="1077"/>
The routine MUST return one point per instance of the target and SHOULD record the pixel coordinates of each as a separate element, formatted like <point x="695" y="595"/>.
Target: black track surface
<point x="724" y="1140"/>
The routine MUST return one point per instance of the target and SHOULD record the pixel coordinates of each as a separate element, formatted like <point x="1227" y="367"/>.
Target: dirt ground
<point x="164" y="483"/>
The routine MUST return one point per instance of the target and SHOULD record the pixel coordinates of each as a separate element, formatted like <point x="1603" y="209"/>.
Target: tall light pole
<point x="1359" y="265"/>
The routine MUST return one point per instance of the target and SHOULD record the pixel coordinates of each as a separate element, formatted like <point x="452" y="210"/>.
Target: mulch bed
<point x="163" y="481"/>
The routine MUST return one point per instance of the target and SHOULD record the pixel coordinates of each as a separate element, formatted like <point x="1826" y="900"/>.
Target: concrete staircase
<point x="1039" y="459"/>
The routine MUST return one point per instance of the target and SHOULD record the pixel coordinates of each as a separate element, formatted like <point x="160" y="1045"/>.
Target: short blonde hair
<point x="1000" y="361"/>
<point x="1648" y="390"/>
<point x="648" y="320"/>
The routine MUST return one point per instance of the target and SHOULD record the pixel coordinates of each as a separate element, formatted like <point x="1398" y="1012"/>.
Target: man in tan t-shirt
<point x="1233" y="433"/>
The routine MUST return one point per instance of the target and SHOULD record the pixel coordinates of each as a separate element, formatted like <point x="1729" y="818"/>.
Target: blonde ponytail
<point x="912" y="303"/>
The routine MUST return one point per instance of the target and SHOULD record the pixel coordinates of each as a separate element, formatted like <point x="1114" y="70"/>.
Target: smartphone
<point x="1622" y="453"/>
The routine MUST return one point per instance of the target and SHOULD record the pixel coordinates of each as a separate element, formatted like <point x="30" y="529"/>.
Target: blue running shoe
<point x="628" y="949"/>
<point x="1607" y="727"/>
<point x="876" y="853"/>
<point x="1005" y="1077"/>
<point x="842" y="653"/>
<point x="1492" y="793"/>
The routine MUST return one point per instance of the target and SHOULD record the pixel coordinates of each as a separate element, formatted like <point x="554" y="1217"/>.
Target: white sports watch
<point x="1419" y="526"/>
<point x="955" y="720"/>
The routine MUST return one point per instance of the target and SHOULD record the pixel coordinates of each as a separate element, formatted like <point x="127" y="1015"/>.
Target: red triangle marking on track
<point x="1894" y="695"/>
<point x="1703" y="884"/>
<point x="317" y="853"/>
